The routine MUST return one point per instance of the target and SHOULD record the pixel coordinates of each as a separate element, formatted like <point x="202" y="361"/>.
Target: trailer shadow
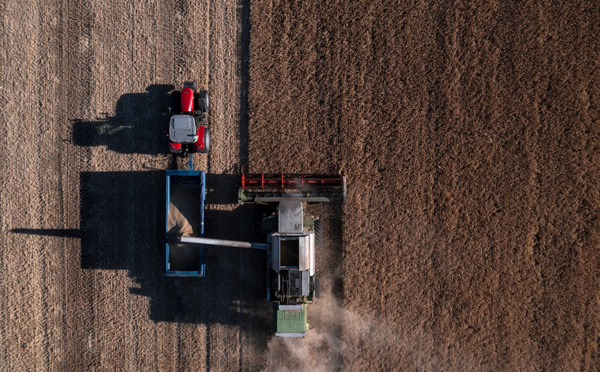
<point x="123" y="228"/>
<point x="139" y="125"/>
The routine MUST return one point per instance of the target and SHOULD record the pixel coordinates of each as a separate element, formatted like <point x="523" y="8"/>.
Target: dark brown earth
<point x="469" y="134"/>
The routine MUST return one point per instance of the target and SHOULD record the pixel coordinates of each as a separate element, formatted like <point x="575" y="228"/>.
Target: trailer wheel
<point x="203" y="101"/>
<point x="317" y="288"/>
<point x="318" y="234"/>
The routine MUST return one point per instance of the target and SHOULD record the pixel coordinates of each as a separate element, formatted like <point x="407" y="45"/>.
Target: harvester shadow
<point x="222" y="188"/>
<point x="139" y="125"/>
<point x="123" y="228"/>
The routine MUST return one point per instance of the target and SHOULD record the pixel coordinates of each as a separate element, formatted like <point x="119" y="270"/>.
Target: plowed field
<point x="469" y="133"/>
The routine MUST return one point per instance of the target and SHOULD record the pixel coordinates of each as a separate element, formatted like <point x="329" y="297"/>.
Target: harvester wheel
<point x="203" y="101"/>
<point x="318" y="234"/>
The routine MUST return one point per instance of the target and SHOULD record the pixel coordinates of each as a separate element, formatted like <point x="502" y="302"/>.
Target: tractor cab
<point x="183" y="129"/>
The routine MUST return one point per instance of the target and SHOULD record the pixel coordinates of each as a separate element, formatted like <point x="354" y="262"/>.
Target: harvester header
<point x="311" y="188"/>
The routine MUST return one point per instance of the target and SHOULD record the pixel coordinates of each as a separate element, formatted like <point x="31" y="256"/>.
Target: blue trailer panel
<point x="185" y="196"/>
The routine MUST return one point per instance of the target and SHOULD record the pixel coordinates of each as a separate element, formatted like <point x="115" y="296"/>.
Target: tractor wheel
<point x="206" y="141"/>
<point x="318" y="233"/>
<point x="203" y="101"/>
<point x="175" y="106"/>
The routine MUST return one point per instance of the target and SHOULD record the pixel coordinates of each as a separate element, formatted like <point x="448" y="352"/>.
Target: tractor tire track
<point x="79" y="285"/>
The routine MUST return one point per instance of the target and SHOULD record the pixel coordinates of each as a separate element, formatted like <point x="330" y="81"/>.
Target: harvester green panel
<point x="286" y="321"/>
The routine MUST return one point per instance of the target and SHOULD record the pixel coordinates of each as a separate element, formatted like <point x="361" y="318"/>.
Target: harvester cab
<point x="293" y="237"/>
<point x="188" y="131"/>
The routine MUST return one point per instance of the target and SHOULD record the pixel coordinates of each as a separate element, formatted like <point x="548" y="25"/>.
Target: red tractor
<point x="188" y="132"/>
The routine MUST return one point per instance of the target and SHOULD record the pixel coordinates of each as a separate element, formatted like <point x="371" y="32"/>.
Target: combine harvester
<point x="292" y="239"/>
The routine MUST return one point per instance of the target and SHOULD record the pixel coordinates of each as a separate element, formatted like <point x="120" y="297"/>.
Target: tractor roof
<point x="182" y="129"/>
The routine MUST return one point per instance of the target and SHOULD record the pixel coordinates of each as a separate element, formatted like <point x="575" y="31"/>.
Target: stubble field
<point x="469" y="135"/>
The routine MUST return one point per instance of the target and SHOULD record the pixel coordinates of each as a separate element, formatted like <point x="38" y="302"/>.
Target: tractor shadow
<point x="123" y="225"/>
<point x="140" y="123"/>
